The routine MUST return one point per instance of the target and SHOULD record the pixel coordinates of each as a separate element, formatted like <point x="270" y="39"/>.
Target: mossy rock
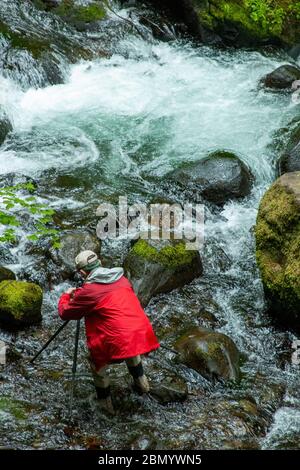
<point x="76" y="14"/>
<point x="156" y="267"/>
<point x="20" y="303"/>
<point x="252" y="22"/>
<point x="6" y="274"/>
<point x="212" y="354"/>
<point x="278" y="248"/>
<point x="12" y="410"/>
<point x="239" y="22"/>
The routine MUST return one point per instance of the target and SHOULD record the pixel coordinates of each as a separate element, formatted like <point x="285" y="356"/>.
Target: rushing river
<point x="115" y="127"/>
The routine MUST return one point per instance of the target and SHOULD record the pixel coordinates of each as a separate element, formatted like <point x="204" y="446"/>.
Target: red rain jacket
<point x="116" y="325"/>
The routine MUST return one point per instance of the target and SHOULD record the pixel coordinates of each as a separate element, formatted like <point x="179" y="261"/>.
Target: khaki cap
<point x="87" y="260"/>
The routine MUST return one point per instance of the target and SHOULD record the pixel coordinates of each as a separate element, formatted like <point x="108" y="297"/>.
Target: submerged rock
<point x="157" y="267"/>
<point x="282" y="78"/>
<point x="6" y="274"/>
<point x="218" y="178"/>
<point x="20" y="303"/>
<point x="278" y="248"/>
<point x="212" y="354"/>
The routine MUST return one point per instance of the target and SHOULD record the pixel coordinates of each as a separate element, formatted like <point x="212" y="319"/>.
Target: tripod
<point x="75" y="355"/>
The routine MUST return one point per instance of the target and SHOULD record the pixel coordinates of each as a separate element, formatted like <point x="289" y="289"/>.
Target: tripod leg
<point x="49" y="341"/>
<point x="74" y="366"/>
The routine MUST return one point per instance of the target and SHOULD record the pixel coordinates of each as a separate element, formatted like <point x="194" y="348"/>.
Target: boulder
<point x="72" y="242"/>
<point x="6" y="274"/>
<point x="212" y="354"/>
<point x="278" y="248"/>
<point x="218" y="178"/>
<point x="20" y="303"/>
<point x="155" y="267"/>
<point x="282" y="78"/>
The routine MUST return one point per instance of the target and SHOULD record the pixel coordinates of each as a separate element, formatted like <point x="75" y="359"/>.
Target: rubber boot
<point x="140" y="381"/>
<point x="104" y="400"/>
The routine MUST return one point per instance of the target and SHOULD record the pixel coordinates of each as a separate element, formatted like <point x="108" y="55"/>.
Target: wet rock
<point x="5" y="126"/>
<point x="38" y="43"/>
<point x="20" y="304"/>
<point x="218" y="178"/>
<point x="12" y="179"/>
<point x="42" y="271"/>
<point x="143" y="443"/>
<point x="212" y="354"/>
<point x="241" y="444"/>
<point x="282" y="78"/>
<point x="158" y="23"/>
<point x="157" y="267"/>
<point x="6" y="257"/>
<point x="290" y="159"/>
<point x="72" y="243"/>
<point x="278" y="253"/>
<point x="6" y="274"/>
<point x="168" y="389"/>
<point x="49" y="4"/>
<point x="230" y="424"/>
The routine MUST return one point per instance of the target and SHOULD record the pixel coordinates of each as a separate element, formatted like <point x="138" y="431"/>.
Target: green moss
<point x="171" y="256"/>
<point x="263" y="19"/>
<point x="20" y="298"/>
<point x="12" y="407"/>
<point x="33" y="45"/>
<point x="92" y="12"/>
<point x="278" y="244"/>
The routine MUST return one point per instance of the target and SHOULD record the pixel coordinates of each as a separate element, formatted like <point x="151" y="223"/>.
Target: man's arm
<point x="74" y="306"/>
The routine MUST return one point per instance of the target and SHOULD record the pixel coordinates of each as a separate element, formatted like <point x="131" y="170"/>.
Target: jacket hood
<point x="104" y="275"/>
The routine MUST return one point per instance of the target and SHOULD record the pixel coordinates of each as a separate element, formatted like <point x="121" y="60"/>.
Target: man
<point x="117" y="327"/>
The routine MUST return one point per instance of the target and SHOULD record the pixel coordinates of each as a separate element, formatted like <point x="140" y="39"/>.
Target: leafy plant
<point x="271" y="17"/>
<point x="15" y="201"/>
<point x="295" y="9"/>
